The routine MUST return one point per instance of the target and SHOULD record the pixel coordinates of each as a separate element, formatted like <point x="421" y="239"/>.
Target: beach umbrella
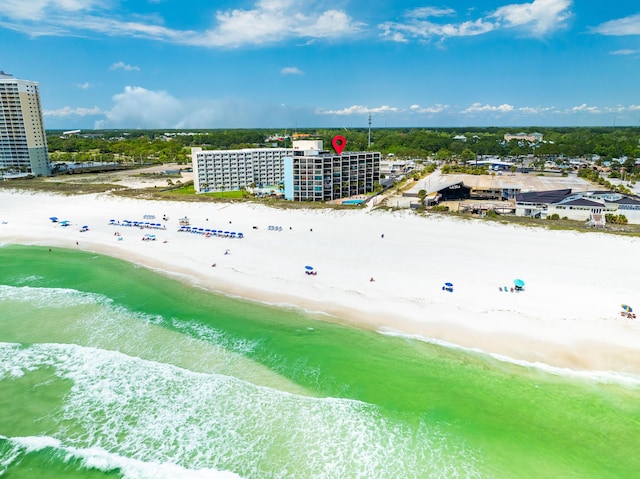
<point x="449" y="285"/>
<point x="54" y="218"/>
<point x="308" y="268"/>
<point x="627" y="308"/>
<point x="519" y="283"/>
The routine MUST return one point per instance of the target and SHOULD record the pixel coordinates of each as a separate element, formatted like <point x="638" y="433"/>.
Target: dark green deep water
<point x="111" y="370"/>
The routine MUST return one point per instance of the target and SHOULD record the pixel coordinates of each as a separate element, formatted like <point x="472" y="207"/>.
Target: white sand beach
<point x="568" y="315"/>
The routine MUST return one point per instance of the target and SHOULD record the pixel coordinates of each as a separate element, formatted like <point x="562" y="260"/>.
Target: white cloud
<point x="291" y="71"/>
<point x="67" y="111"/>
<point x="329" y="24"/>
<point x="39" y="9"/>
<point x="538" y="17"/>
<point x="124" y="66"/>
<point x="84" y="86"/>
<point x="437" y="108"/>
<point x="622" y="26"/>
<point x="425" y="30"/>
<point x="531" y="110"/>
<point x="276" y="20"/>
<point x="625" y="52"/>
<point x="479" y="107"/>
<point x="585" y="108"/>
<point x="138" y="107"/>
<point x="357" y="110"/>
<point x="615" y="109"/>
<point x="267" y="22"/>
<point x="426" y="12"/>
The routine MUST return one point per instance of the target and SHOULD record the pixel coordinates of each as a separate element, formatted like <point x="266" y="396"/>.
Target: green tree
<point x="443" y="155"/>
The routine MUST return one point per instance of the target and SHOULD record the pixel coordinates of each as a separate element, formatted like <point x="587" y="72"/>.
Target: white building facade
<point x="23" y="141"/>
<point x="228" y="170"/>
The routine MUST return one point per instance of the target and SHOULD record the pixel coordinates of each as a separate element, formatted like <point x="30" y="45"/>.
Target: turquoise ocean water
<point x="110" y="370"/>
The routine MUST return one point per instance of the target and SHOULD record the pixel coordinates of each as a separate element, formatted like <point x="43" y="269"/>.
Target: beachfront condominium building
<point x="307" y="172"/>
<point x="225" y="170"/>
<point x="323" y="176"/>
<point x="23" y="142"/>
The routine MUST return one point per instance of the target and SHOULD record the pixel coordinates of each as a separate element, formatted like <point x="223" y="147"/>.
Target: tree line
<point x="442" y="143"/>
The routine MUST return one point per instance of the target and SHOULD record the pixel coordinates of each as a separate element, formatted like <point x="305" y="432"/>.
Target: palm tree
<point x="422" y="194"/>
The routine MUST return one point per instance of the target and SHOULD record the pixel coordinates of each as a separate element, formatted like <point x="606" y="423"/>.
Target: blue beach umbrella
<point x="519" y="283"/>
<point x="308" y="268"/>
<point x="54" y="218"/>
<point x="449" y="285"/>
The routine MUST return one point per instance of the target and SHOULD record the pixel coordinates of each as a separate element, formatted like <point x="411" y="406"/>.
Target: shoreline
<point x="567" y="317"/>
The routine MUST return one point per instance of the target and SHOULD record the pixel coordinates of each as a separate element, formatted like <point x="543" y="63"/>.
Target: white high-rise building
<point x="23" y="141"/>
<point x="220" y="170"/>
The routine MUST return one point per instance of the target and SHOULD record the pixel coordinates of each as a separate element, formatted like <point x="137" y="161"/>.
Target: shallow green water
<point x="111" y="370"/>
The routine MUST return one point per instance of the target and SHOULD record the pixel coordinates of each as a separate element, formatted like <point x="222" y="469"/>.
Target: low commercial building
<point x="592" y="206"/>
<point x="522" y="136"/>
<point x="390" y="166"/>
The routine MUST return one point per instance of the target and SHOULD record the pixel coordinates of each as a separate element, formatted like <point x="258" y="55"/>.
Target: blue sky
<point x="288" y="64"/>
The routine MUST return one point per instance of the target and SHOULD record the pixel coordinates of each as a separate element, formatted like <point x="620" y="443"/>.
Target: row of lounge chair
<point x="138" y="224"/>
<point x="209" y="232"/>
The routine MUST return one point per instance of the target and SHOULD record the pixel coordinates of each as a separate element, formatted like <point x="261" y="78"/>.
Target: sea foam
<point x="164" y="418"/>
<point x="98" y="458"/>
<point x="604" y="377"/>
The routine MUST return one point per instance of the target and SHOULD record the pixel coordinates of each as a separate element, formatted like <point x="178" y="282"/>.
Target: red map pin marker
<point x="339" y="142"/>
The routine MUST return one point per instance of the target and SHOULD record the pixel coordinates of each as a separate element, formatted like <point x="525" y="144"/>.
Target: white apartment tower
<point x="220" y="170"/>
<point x="23" y="142"/>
